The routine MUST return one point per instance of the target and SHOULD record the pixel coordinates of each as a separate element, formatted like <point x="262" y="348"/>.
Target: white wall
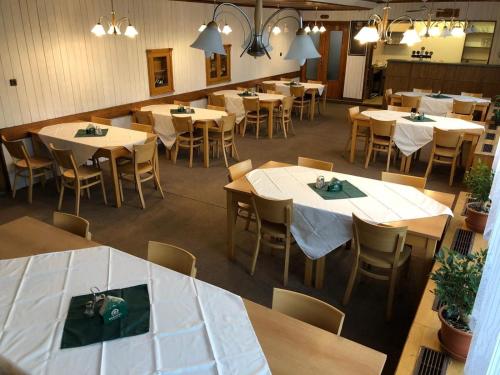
<point x="61" y="68"/>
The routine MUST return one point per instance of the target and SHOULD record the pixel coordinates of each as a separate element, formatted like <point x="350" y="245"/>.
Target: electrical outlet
<point x="13" y="82"/>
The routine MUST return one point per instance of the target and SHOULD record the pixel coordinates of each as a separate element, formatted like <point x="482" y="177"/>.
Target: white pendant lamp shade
<point x="113" y="29"/>
<point x="410" y="37"/>
<point x="130" y="31"/>
<point x="470" y="29"/>
<point x="302" y="48"/>
<point x="434" y="31"/>
<point x="367" y="34"/>
<point x="98" y="30"/>
<point x="276" y="30"/>
<point x="202" y="27"/>
<point x="322" y="29"/>
<point x="307" y="29"/>
<point x="457" y="31"/>
<point x="209" y="40"/>
<point x="446" y="32"/>
<point x="226" y="29"/>
<point x="315" y="29"/>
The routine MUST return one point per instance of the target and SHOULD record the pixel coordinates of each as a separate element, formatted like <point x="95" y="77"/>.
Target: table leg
<point x="270" y="109"/>
<point x="114" y="177"/>
<point x="354" y="131"/>
<point x="408" y="164"/>
<point x="308" y="272"/>
<point x="470" y="156"/>
<point x="206" y="146"/>
<point x="312" y="107"/>
<point x="320" y="273"/>
<point x="231" y="220"/>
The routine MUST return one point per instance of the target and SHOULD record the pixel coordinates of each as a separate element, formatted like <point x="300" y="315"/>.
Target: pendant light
<point x="114" y="25"/>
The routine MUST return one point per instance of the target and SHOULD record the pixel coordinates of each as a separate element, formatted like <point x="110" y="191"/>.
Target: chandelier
<point x="113" y="25"/>
<point x="302" y="47"/>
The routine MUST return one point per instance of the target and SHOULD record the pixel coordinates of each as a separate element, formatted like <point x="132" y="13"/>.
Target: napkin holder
<point x="335" y="185"/>
<point x="113" y="308"/>
<point x="90" y="129"/>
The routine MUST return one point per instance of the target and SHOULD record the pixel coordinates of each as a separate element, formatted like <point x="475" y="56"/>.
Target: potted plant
<point x="479" y="180"/>
<point x="457" y="281"/>
<point x="496" y="111"/>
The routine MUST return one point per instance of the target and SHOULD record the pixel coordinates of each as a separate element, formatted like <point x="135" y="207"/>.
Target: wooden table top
<point x="431" y="227"/>
<point x="290" y="346"/>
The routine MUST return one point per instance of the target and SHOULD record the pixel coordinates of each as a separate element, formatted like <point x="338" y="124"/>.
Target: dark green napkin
<point x="348" y="191"/>
<point x="80" y="330"/>
<point x="247" y="94"/>
<point x="439" y="96"/>
<point x="425" y="119"/>
<point x="185" y="112"/>
<point x="83" y="133"/>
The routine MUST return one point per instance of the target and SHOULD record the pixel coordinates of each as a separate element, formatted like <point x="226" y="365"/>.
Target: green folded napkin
<point x="83" y="133"/>
<point x="245" y="94"/>
<point x="439" y="96"/>
<point x="80" y="330"/>
<point x="424" y="119"/>
<point x="348" y="191"/>
<point x="184" y="112"/>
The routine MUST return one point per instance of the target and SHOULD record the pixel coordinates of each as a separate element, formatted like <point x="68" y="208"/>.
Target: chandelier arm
<point x="122" y="20"/>
<point x="278" y="21"/>
<point x="215" y="14"/>
<point x="299" y="18"/>
<point x="388" y="31"/>
<point x="221" y="13"/>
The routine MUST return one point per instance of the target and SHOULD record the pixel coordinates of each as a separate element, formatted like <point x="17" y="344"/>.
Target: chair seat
<point x="445" y="152"/>
<point x="381" y="140"/>
<point x="197" y="135"/>
<point x="275" y="230"/>
<point x="35" y="162"/>
<point x="253" y="114"/>
<point x="84" y="171"/>
<point x="383" y="260"/>
<point x="142" y="168"/>
<point x="300" y="102"/>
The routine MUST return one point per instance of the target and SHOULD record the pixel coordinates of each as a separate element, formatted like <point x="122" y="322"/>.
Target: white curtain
<point x="484" y="354"/>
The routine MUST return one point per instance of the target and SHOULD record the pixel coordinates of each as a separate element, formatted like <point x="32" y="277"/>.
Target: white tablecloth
<point x="195" y="327"/>
<point x="234" y="102"/>
<point x="320" y="226"/>
<point x="410" y="136"/>
<point x="440" y="107"/>
<point x="163" y="119"/>
<point x="63" y="136"/>
<point x="284" y="87"/>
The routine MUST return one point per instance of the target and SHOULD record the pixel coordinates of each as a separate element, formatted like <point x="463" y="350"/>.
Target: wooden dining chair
<point x="300" y="102"/>
<point x="308" y="309"/>
<point x="274" y="219"/>
<point x="363" y="129"/>
<point x="72" y="223"/>
<point x="390" y="98"/>
<point x="286" y="79"/>
<point x="218" y="100"/>
<point x="254" y="115"/>
<point x="78" y="178"/>
<point x="215" y="107"/>
<point x="27" y="166"/>
<point x="241" y="88"/>
<point x="446" y="148"/>
<point x="236" y="171"/>
<point x="100" y="120"/>
<point x="182" y="102"/>
<point x="143" y="117"/>
<point x="463" y="107"/>
<point x="460" y="116"/>
<point x="141" y="127"/>
<point x="472" y="94"/>
<point x="404" y="179"/>
<point x="378" y="253"/>
<point x="187" y="137"/>
<point x="284" y="115"/>
<point x="223" y="135"/>
<point x="398" y="108"/>
<point x="172" y="257"/>
<point x="321" y="97"/>
<point x="314" y="163"/>
<point x="411" y="101"/>
<point x="381" y="140"/>
<point x="423" y="91"/>
<point x="268" y="86"/>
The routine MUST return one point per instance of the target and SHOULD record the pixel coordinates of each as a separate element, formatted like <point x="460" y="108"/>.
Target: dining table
<point x="321" y="225"/>
<point x="114" y="143"/>
<point x="234" y="104"/>
<point x="195" y="327"/>
<point x="311" y="88"/>
<point x="202" y="118"/>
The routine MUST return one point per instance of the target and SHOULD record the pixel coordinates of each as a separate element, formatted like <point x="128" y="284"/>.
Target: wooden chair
<point x="284" y="116"/>
<point x="141" y="127"/>
<point x="71" y="223"/>
<point x="363" y="130"/>
<point x="235" y="172"/>
<point x="322" y="96"/>
<point x="381" y="140"/>
<point x="100" y="120"/>
<point x="216" y="108"/>
<point x="224" y="135"/>
<point x="182" y="102"/>
<point x="300" y="102"/>
<point x="187" y="137"/>
<point x="379" y="253"/>
<point x="411" y="101"/>
<point x="463" y="107"/>
<point x="253" y="114"/>
<point x="388" y="97"/>
<point x="308" y="309"/>
<point x="423" y="91"/>
<point x="268" y="86"/>
<point x="274" y="218"/>
<point x="458" y="115"/>
<point x="29" y="167"/>
<point x="172" y="257"/>
<point x="446" y="148"/>
<point x="398" y="108"/>
<point x="404" y="179"/>
<point x="217" y="100"/>
<point x="76" y="177"/>
<point x="143" y="117"/>
<point x="241" y="88"/>
<point x="314" y="163"/>
<point x="472" y="94"/>
<point x="285" y="79"/>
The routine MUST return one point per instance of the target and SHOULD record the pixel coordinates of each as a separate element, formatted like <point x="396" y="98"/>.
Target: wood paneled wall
<point x="447" y="78"/>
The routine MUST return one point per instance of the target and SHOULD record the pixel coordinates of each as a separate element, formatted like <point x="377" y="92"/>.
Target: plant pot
<point x="475" y="220"/>
<point x="454" y="341"/>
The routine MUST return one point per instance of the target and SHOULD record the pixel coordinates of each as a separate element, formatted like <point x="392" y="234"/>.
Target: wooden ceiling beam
<point x="297" y="4"/>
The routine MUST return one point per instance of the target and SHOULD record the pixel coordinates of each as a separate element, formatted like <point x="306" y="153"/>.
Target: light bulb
<point x="307" y="29"/>
<point x="367" y="34"/>
<point x="113" y="29"/>
<point x="457" y="31"/>
<point x="446" y="32"/>
<point x="285" y="28"/>
<point x="276" y="30"/>
<point x="434" y="31"/>
<point x="98" y="29"/>
<point x="226" y="29"/>
<point x="315" y="29"/>
<point x="410" y="37"/>
<point x="130" y="31"/>
<point x="322" y="29"/>
<point x="471" y="29"/>
<point x="202" y="27"/>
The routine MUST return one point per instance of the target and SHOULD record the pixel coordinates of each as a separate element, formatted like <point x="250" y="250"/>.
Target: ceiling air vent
<point x="431" y="362"/>
<point x="462" y="241"/>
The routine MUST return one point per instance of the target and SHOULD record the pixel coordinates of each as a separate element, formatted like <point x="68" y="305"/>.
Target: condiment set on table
<point x="333" y="185"/>
<point x="91" y="129"/>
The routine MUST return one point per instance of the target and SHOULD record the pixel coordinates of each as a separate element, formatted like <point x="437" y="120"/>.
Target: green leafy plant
<point x="457" y="282"/>
<point x="496" y="110"/>
<point x="479" y="180"/>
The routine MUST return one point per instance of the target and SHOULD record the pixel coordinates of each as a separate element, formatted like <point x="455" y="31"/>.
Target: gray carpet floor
<point x="193" y="216"/>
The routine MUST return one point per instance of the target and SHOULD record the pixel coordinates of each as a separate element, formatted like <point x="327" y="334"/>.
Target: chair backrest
<point x="228" y="122"/>
<point x="404" y="179"/>
<point x="215" y="107"/>
<point x="273" y="211"/>
<point x="182" y="102"/>
<point x="411" y="101"/>
<point x="423" y="91"/>
<point x="100" y="120"/>
<point x="398" y="108"/>
<point x="218" y="100"/>
<point x="351" y="112"/>
<point x="64" y="159"/>
<point x="379" y="239"/>
<point x="145" y="153"/>
<point x="143" y="117"/>
<point x="71" y="223"/>
<point x="268" y="86"/>
<point x="285" y="79"/>
<point x="241" y="88"/>
<point x="463" y="107"/>
<point x="473" y="94"/>
<point x="382" y="128"/>
<point x="141" y="127"/>
<point x="387" y="96"/>
<point x="314" y="163"/>
<point x="297" y="91"/>
<point x="172" y="257"/>
<point x="273" y="92"/>
<point x="17" y="149"/>
<point x="182" y="124"/>
<point x="240" y="169"/>
<point x="251" y="104"/>
<point x="287" y="103"/>
<point x="313" y="81"/>
<point x="308" y="309"/>
<point x="449" y="139"/>
<point x="460" y="116"/>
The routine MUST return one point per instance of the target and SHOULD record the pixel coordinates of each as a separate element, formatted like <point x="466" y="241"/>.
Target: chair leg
<point x="139" y="190"/>
<point x="61" y="195"/>
<point x="369" y="154"/>
<point x="256" y="252"/>
<point x="257" y="128"/>
<point x="30" y="188"/>
<point x="120" y="186"/>
<point x="14" y="185"/>
<point x="452" y="172"/>
<point x="176" y="152"/>
<point x="429" y="165"/>
<point x="287" y="261"/>
<point x="77" y="199"/>
<point x="244" y="127"/>
<point x="191" y="149"/>
<point x="390" y="297"/>
<point x="347" y="147"/>
<point x="224" y="153"/>
<point x="350" y="283"/>
<point x="301" y="111"/>
<point x="388" y="158"/>
<point x="157" y="181"/>
<point x="235" y="150"/>
<point x="104" y="190"/>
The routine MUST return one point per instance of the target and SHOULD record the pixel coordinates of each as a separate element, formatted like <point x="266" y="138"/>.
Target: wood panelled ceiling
<point x="297" y="4"/>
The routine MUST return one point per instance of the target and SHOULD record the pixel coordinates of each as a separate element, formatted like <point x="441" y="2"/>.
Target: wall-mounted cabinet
<point x="218" y="67"/>
<point x="160" y="71"/>
<point x="477" y="46"/>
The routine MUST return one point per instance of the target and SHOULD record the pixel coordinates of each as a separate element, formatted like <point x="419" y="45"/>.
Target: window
<point x="160" y="71"/>
<point x="218" y="67"/>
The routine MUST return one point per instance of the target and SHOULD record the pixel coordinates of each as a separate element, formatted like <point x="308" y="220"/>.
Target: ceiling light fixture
<point x="114" y="25"/>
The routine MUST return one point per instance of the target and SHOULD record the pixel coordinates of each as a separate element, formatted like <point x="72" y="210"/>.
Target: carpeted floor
<point x="193" y="216"/>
